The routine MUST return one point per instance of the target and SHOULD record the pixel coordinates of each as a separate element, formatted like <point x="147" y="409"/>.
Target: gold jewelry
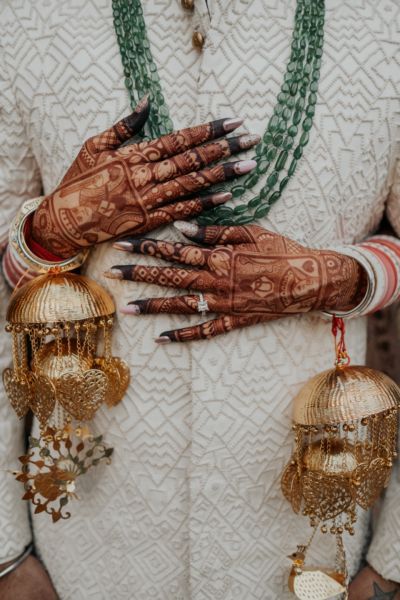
<point x="63" y="371"/>
<point x="345" y="427"/>
<point x="26" y="256"/>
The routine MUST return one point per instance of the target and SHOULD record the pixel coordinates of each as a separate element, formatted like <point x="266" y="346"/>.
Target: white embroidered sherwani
<point x="191" y="508"/>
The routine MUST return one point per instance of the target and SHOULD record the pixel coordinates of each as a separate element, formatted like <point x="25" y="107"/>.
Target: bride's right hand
<point x="114" y="188"/>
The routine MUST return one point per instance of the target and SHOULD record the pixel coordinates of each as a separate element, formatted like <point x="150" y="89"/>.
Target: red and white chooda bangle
<point x="380" y="257"/>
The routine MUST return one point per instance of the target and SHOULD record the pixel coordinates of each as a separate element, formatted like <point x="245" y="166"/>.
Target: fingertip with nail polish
<point x="163" y="339"/>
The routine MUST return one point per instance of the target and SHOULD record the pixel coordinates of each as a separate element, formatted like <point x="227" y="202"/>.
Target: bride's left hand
<point x="246" y="274"/>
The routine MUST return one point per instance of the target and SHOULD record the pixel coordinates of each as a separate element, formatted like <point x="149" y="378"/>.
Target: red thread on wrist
<point x="36" y="248"/>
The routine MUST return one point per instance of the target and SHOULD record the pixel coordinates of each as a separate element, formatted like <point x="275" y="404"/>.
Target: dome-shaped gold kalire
<point x="344" y="394"/>
<point x="63" y="369"/>
<point x="58" y="297"/>
<point x="345" y="424"/>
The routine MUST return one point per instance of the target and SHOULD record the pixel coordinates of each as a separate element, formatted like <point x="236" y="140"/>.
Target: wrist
<point x="46" y="234"/>
<point x="347" y="282"/>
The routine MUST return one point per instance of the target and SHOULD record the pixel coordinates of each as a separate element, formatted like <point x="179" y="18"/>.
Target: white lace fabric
<point x="191" y="508"/>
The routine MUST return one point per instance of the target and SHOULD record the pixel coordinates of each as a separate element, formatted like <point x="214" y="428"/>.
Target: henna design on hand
<point x="247" y="274"/>
<point x="115" y="187"/>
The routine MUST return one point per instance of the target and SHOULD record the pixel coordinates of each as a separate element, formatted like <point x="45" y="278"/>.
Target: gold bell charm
<point x="63" y="371"/>
<point x="345" y="425"/>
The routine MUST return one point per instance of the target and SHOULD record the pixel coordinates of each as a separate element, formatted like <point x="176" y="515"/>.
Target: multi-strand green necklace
<point x="288" y="130"/>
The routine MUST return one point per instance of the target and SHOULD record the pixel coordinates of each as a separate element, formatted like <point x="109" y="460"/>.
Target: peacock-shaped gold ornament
<point x="345" y="428"/>
<point x="63" y="371"/>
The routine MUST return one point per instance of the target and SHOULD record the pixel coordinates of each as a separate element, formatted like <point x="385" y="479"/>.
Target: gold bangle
<point x="26" y="256"/>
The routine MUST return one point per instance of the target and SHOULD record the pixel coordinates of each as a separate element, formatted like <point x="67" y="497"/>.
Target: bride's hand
<point x="247" y="274"/>
<point x="114" y="188"/>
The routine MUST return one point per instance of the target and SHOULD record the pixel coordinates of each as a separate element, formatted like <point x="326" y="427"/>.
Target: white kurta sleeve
<point x="19" y="180"/>
<point x="384" y="550"/>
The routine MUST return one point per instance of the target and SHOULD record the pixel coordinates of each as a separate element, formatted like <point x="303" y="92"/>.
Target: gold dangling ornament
<point x="345" y="426"/>
<point x="63" y="371"/>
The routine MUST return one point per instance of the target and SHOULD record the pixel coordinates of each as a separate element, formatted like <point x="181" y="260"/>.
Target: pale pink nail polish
<point x="123" y="245"/>
<point x="231" y="124"/>
<point x="244" y="166"/>
<point x="249" y="140"/>
<point x="221" y="197"/>
<point x="189" y="229"/>
<point x="164" y="339"/>
<point x="113" y="274"/>
<point x="130" y="309"/>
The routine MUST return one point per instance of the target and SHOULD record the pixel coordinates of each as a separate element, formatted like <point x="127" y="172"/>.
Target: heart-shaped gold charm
<point x="371" y="479"/>
<point x="44" y="398"/>
<point x="18" y="390"/>
<point x="291" y="486"/>
<point x="118" y="375"/>
<point x="81" y="395"/>
<point x="326" y="497"/>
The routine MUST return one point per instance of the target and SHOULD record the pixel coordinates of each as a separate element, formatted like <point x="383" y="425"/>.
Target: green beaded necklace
<point x="288" y="129"/>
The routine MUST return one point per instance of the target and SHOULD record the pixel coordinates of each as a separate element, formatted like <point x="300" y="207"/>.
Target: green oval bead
<point x="314" y="86"/>
<point x="282" y="97"/>
<point x="275" y="196"/>
<point x="244" y="220"/>
<point x="272" y="179"/>
<point x="254" y="202"/>
<point x="291" y="67"/>
<point x="297" y="117"/>
<point x="312" y="99"/>
<point x="300" y="104"/>
<point x="223" y="211"/>
<point x="262" y="210"/>
<point x="272" y="152"/>
<point x="278" y="109"/>
<point x="288" y="143"/>
<point x="316" y="75"/>
<point x="285" y="88"/>
<point x="268" y="137"/>
<point x="310" y="110"/>
<point x="291" y="102"/>
<point x="251" y="180"/>
<point x="240" y="209"/>
<point x="278" y="139"/>
<point x="298" y="152"/>
<point x="263" y="166"/>
<point x="273" y="124"/>
<point x="292" y="131"/>
<point x="282" y="126"/>
<point x="225" y="221"/>
<point x="260" y="149"/>
<point x="264" y="192"/>
<point x="292" y="167"/>
<point x="238" y="190"/>
<point x="284" y="183"/>
<point x="281" y="161"/>
<point x="286" y="114"/>
<point x="305" y="136"/>
<point x="293" y="89"/>
<point x="307" y="124"/>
